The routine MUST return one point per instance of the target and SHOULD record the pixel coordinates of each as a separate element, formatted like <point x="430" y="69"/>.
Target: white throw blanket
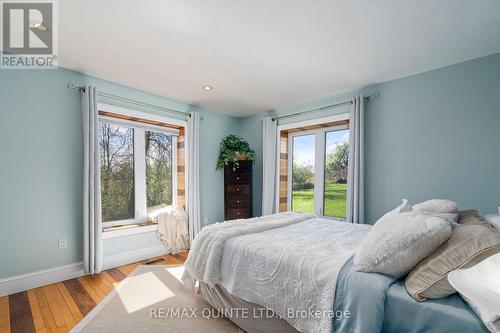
<point x="172" y="227"/>
<point x="292" y="270"/>
<point x="205" y="256"/>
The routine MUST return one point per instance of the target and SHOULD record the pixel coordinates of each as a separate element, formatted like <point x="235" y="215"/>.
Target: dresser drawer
<point x="238" y="176"/>
<point x="238" y="189"/>
<point x="238" y="201"/>
<point x="235" y="213"/>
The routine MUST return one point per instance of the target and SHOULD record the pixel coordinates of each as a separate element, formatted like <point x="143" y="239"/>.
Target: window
<point x="303" y="166"/>
<point x="116" y="149"/>
<point x="137" y="165"/>
<point x="318" y="160"/>
<point x="158" y="169"/>
<point x="336" y="161"/>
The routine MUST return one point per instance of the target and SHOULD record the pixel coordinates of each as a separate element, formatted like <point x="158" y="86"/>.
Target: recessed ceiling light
<point x="207" y="87"/>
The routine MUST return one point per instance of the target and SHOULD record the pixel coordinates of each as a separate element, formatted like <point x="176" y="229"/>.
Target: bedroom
<point x="114" y="144"/>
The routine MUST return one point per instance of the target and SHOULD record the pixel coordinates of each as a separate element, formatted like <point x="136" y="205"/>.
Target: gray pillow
<point x="400" y="240"/>
<point x="468" y="245"/>
<point x="471" y="217"/>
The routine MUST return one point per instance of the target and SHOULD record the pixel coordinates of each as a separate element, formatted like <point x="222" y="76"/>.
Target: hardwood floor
<point x="60" y="306"/>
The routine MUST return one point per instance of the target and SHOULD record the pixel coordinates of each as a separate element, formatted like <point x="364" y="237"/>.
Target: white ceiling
<point x="266" y="54"/>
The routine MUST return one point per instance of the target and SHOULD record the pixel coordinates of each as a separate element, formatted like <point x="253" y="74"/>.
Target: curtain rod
<point x="367" y="98"/>
<point x="70" y="85"/>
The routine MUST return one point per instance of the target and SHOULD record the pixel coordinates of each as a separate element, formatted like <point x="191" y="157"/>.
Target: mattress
<point x="255" y="319"/>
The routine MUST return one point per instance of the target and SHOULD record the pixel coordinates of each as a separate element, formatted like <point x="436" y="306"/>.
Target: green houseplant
<point x="234" y="149"/>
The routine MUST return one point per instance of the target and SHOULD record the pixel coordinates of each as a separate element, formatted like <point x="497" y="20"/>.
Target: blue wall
<point x="434" y="134"/>
<point x="41" y="168"/>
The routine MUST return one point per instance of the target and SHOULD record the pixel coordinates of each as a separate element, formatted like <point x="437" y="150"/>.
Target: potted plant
<point x="234" y="149"/>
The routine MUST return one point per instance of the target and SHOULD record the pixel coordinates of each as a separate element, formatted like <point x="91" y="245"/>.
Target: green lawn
<point x="335" y="195"/>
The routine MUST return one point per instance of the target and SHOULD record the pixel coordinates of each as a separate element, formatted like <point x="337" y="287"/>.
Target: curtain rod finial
<point x="375" y="94"/>
<point x="70" y="85"/>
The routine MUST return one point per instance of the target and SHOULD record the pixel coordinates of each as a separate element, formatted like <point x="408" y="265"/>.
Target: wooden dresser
<point x="238" y="191"/>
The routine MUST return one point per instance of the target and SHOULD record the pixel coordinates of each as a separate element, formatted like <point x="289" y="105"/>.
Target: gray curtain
<point x="193" y="174"/>
<point x="92" y="233"/>
<point x="355" y="172"/>
<point x="269" y="137"/>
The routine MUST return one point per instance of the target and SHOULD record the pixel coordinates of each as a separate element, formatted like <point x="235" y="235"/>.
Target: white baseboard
<point x="44" y="277"/>
<point x="133" y="256"/>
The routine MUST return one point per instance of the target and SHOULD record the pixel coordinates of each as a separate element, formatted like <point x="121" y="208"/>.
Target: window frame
<point x="319" y="163"/>
<point x="140" y="193"/>
<point x="319" y="166"/>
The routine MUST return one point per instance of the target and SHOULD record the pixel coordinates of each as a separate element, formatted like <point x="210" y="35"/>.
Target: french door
<point x="317" y="163"/>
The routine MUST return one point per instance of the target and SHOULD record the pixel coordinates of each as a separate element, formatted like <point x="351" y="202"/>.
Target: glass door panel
<point x="303" y="173"/>
<point x="336" y="162"/>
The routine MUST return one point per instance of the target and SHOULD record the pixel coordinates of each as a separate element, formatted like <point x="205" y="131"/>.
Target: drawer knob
<point x="237" y="201"/>
<point x="238" y="189"/>
<point x="238" y="213"/>
<point x="237" y="178"/>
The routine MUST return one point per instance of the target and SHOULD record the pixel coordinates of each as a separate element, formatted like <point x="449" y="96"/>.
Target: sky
<point x="304" y="145"/>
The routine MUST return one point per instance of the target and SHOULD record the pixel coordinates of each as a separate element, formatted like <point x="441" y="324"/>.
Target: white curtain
<point x="355" y="172"/>
<point x="193" y="174"/>
<point x="269" y="162"/>
<point x="92" y="233"/>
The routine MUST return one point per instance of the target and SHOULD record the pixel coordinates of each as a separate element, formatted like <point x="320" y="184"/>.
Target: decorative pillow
<point x="399" y="241"/>
<point x="471" y="217"/>
<point x="437" y="206"/>
<point x="480" y="287"/>
<point x="468" y="245"/>
<point x="445" y="209"/>
<point x="453" y="217"/>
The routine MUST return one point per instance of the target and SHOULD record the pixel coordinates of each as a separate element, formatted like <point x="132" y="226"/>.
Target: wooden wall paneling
<point x="283" y="181"/>
<point x="181" y="167"/>
<point x="312" y="127"/>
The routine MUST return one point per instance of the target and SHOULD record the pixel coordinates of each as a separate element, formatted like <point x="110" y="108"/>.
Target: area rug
<point x="153" y="299"/>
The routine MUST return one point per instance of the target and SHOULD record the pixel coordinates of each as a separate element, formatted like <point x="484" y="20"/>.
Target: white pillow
<point x="447" y="216"/>
<point x="400" y="240"/>
<point x="479" y="286"/>
<point x="437" y="206"/>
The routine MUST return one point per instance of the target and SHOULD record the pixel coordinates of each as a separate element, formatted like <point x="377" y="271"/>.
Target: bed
<point x="302" y="271"/>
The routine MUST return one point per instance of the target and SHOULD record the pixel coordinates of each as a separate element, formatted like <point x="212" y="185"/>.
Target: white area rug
<point x="153" y="299"/>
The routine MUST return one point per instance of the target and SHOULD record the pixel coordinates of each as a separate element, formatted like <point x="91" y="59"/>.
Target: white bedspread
<point x="205" y="256"/>
<point x="294" y="267"/>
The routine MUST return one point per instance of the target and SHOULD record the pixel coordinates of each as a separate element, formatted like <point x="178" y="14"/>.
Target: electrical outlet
<point x="205" y="220"/>
<point x="63" y="243"/>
